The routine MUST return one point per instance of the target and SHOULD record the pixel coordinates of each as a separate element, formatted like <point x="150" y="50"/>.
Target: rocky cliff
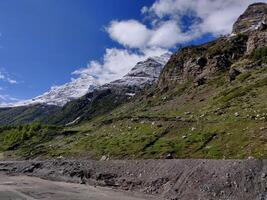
<point x="200" y="63"/>
<point x="252" y="19"/>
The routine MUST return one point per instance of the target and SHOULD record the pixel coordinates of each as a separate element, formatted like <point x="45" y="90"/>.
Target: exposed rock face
<point x="251" y="19"/>
<point x="256" y="40"/>
<point x="199" y="63"/>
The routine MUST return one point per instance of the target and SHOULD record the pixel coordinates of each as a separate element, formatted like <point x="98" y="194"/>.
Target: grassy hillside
<point x="219" y="119"/>
<point x="223" y="116"/>
<point x="26" y="114"/>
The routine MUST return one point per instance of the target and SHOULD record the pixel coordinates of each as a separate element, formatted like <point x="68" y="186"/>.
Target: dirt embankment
<point x="169" y="179"/>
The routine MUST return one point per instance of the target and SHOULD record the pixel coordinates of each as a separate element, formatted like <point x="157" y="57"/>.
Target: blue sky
<point x="43" y="42"/>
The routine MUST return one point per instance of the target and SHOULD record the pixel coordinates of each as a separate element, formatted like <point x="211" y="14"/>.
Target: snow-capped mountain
<point x="143" y="73"/>
<point x="60" y="95"/>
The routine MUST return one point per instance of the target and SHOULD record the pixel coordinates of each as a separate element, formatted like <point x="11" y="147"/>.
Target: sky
<point x="44" y="43"/>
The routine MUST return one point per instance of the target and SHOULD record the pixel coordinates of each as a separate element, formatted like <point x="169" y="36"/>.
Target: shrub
<point x="260" y="54"/>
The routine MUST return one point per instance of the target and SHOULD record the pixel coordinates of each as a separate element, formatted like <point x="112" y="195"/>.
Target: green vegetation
<point x="26" y="140"/>
<point x="224" y="46"/>
<point x="217" y="119"/>
<point x="260" y="54"/>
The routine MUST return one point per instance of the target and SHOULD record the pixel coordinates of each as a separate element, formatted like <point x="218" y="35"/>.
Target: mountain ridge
<point x="209" y="102"/>
<point x="74" y="99"/>
<point x="60" y="95"/>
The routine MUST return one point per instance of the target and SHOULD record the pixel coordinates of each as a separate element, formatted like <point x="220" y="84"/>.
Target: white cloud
<point x="4" y="76"/>
<point x="116" y="63"/>
<point x="217" y="16"/>
<point x="129" y="33"/>
<point x="11" y="81"/>
<point x="133" y="34"/>
<point x="166" y="22"/>
<point x="168" y="34"/>
<point x="6" y="100"/>
<point x="164" y="30"/>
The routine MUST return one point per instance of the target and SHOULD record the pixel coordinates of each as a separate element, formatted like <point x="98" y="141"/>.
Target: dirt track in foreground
<point x="30" y="188"/>
<point x="167" y="179"/>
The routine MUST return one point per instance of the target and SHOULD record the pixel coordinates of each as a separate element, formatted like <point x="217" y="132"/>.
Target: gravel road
<point x="30" y="188"/>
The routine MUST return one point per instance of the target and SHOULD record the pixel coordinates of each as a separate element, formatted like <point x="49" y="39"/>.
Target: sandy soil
<point x="30" y="188"/>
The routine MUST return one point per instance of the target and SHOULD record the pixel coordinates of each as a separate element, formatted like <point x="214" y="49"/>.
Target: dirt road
<point x="167" y="179"/>
<point x="30" y="188"/>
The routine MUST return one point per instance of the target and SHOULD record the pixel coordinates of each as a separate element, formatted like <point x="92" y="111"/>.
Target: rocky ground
<point x="167" y="179"/>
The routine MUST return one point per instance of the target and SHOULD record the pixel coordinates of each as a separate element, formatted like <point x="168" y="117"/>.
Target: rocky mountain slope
<point x="95" y="99"/>
<point x="252" y="18"/>
<point x="209" y="102"/>
<point x="111" y="95"/>
<point x="143" y="74"/>
<point x="78" y="97"/>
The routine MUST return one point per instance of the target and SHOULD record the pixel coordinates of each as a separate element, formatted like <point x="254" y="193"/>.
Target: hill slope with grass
<point x="210" y="102"/>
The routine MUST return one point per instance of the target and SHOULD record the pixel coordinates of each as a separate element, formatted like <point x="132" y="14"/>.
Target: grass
<point x="260" y="54"/>
<point x="217" y="120"/>
<point x="213" y="136"/>
<point x="187" y="122"/>
<point x="25" y="140"/>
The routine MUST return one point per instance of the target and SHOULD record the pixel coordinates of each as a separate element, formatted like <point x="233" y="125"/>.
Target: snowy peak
<point x="145" y="72"/>
<point x="150" y="68"/>
<point x="60" y="95"/>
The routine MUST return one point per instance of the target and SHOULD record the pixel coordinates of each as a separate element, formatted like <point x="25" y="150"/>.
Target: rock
<point x="104" y="158"/>
<point x="237" y="114"/>
<point x="263" y="26"/>
<point x="202" y="61"/>
<point x="221" y="62"/>
<point x="203" y="115"/>
<point x="200" y="81"/>
<point x="233" y="73"/>
<point x="256" y="40"/>
<point x="263" y="176"/>
<point x="169" y="156"/>
<point x="60" y="157"/>
<point x="251" y="18"/>
<point x="184" y="137"/>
